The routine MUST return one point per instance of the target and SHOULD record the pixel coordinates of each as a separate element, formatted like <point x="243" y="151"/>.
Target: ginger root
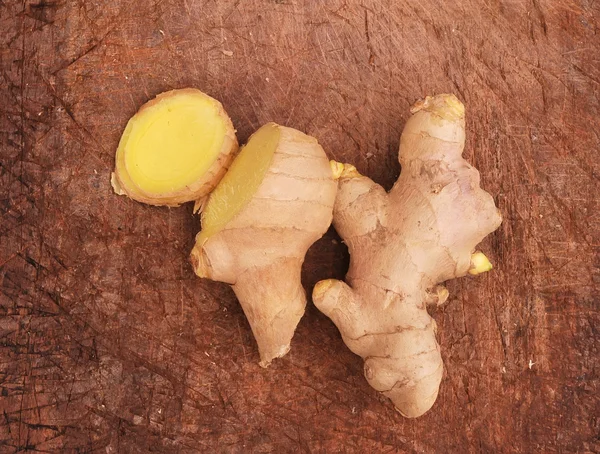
<point x="275" y="201"/>
<point x="175" y="149"/>
<point x="403" y="244"/>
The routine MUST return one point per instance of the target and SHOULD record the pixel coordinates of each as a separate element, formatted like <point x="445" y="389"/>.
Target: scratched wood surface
<point x="108" y="343"/>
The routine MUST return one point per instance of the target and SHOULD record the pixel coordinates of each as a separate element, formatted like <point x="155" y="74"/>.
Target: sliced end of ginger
<point x="175" y="149"/>
<point x="242" y="180"/>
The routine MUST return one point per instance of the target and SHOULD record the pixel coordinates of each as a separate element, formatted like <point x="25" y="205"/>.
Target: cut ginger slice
<point x="175" y="149"/>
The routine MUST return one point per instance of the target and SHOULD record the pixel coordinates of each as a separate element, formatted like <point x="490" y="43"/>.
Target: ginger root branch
<point x="402" y="245"/>
<point x="275" y="201"/>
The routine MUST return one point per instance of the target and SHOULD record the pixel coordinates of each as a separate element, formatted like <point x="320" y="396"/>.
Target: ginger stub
<point x="175" y="149"/>
<point x="275" y="201"/>
<point x="402" y="244"/>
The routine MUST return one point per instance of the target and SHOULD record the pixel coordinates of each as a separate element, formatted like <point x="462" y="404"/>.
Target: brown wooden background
<point x="108" y="343"/>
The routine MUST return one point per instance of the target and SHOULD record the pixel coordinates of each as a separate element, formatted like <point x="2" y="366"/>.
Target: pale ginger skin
<point x="402" y="244"/>
<point x="261" y="250"/>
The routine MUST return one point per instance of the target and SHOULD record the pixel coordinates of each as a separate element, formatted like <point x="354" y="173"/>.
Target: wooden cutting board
<point x="109" y="343"/>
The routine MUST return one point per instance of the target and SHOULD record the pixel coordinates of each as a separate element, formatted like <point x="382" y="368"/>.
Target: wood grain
<point x="108" y="343"/>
